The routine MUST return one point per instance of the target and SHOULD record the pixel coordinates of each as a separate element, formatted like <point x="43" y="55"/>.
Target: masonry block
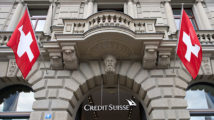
<point x="41" y="105"/>
<point x="35" y="77"/>
<point x="55" y="83"/>
<point x="61" y="105"/>
<point x="3" y="70"/>
<point x="148" y="84"/>
<point x="178" y="103"/>
<point x="52" y="93"/>
<point x="184" y="75"/>
<point x="63" y="73"/>
<point x="157" y="115"/>
<point x="39" y="85"/>
<point x="50" y="74"/>
<point x="36" y="115"/>
<point x="180" y="84"/>
<point x="154" y="93"/>
<point x="134" y="70"/>
<point x="183" y="114"/>
<point x="164" y="82"/>
<point x="156" y="73"/>
<point x="68" y="95"/>
<point x="62" y="115"/>
<point x="41" y="94"/>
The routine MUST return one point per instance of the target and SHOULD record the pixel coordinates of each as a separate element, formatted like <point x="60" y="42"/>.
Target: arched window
<point x="200" y="101"/>
<point x="16" y="101"/>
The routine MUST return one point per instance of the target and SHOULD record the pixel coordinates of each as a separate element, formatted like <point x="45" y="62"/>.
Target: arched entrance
<point x="111" y="103"/>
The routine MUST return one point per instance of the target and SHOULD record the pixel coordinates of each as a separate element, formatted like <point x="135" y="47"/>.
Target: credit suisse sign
<point x="110" y="107"/>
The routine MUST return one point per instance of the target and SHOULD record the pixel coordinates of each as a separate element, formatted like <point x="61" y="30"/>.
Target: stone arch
<point x="60" y="92"/>
<point x="90" y="74"/>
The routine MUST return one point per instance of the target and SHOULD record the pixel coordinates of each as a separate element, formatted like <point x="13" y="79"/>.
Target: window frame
<point x="209" y="112"/>
<point x="190" y="17"/>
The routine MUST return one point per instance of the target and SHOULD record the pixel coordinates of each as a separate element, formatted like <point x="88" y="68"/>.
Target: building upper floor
<point x="46" y="13"/>
<point x="128" y="29"/>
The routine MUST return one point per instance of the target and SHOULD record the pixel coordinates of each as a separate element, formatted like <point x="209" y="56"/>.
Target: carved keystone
<point x="110" y="64"/>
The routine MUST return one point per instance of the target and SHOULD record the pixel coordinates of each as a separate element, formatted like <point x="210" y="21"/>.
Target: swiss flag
<point x="189" y="48"/>
<point x="24" y="45"/>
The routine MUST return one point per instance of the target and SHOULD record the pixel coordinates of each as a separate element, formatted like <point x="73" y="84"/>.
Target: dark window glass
<point x="114" y="7"/>
<point x="177" y="17"/>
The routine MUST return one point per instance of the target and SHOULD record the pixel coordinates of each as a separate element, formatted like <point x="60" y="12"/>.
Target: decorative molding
<point x="70" y="58"/>
<point x="110" y="64"/>
<point x="164" y="59"/>
<point x="150" y="56"/>
<point x="56" y="60"/>
<point x="12" y="68"/>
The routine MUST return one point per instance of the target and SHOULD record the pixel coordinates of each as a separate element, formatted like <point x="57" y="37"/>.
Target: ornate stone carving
<point x="70" y="57"/>
<point x="110" y="64"/>
<point x="150" y="56"/>
<point x="164" y="60"/>
<point x="12" y="68"/>
<point x="206" y="66"/>
<point x="56" y="61"/>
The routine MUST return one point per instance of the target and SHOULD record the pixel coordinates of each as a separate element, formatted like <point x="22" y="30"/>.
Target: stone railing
<point x="5" y="37"/>
<point x="109" y="19"/>
<point x="206" y="37"/>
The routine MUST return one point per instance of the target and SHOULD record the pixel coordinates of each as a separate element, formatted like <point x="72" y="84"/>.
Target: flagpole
<point x="42" y="58"/>
<point x="175" y="57"/>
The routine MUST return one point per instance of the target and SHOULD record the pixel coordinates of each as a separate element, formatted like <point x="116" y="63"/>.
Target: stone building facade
<point x="91" y="44"/>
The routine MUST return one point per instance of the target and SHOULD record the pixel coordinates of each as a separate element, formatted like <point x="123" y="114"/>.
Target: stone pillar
<point x="203" y="16"/>
<point x="54" y="96"/>
<point x="165" y="95"/>
<point x="15" y="18"/>
<point x="48" y="20"/>
<point x="130" y="8"/>
<point x="90" y="9"/>
<point x="170" y="17"/>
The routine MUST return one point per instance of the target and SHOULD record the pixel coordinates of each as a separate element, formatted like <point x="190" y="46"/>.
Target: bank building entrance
<point x="111" y="103"/>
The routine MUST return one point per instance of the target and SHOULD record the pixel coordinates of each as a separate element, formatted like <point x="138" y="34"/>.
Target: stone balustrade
<point x="206" y="37"/>
<point x="5" y="37"/>
<point x="109" y="19"/>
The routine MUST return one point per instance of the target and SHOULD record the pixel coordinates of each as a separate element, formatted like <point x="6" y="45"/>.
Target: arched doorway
<point x="111" y="103"/>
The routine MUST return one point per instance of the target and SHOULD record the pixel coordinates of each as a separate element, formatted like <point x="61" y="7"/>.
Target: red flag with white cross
<point x="189" y="48"/>
<point x="24" y="45"/>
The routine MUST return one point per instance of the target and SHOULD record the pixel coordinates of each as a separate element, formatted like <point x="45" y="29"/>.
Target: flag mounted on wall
<point x="24" y="45"/>
<point x="189" y="48"/>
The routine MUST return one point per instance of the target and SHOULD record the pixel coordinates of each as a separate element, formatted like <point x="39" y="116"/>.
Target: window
<point x="16" y="102"/>
<point x="200" y="101"/>
<point x="20" y="101"/>
<point x="38" y="18"/>
<point x="177" y="17"/>
<point x="114" y="7"/>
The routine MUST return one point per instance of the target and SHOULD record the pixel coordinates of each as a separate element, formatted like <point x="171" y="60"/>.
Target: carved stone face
<point x="110" y="64"/>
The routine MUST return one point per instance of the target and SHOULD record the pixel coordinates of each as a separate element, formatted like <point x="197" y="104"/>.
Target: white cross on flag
<point x="24" y="45"/>
<point x="189" y="48"/>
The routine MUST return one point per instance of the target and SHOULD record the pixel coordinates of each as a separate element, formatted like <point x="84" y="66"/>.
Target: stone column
<point x="48" y="20"/>
<point x="54" y="100"/>
<point x="203" y="16"/>
<point x="15" y="17"/>
<point x="170" y="17"/>
<point x="130" y="8"/>
<point x="90" y="9"/>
